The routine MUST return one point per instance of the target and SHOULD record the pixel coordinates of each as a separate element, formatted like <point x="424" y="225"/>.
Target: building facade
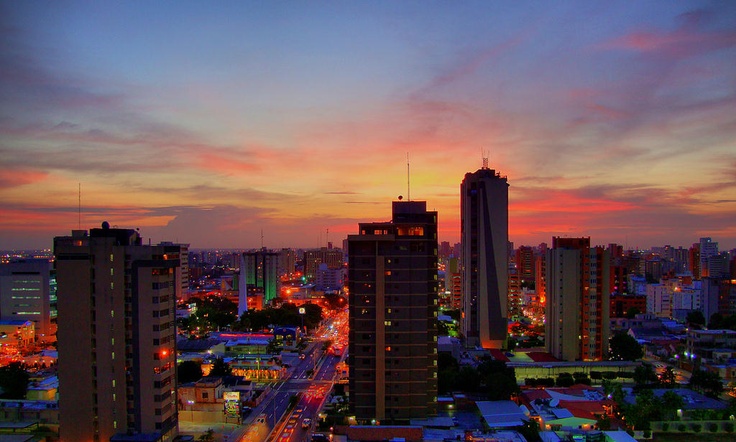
<point x="484" y="201"/>
<point x="259" y="276"/>
<point x="578" y="303"/>
<point x="28" y="292"/>
<point x="117" y="336"/>
<point x="392" y="280"/>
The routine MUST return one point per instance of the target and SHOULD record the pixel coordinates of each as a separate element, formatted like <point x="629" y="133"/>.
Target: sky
<point x="286" y="123"/>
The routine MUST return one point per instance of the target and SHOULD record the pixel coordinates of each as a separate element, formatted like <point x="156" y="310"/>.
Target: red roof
<point x="539" y="356"/>
<point x="498" y="355"/>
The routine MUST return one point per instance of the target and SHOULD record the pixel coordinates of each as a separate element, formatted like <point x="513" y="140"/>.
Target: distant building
<point x="17" y="335"/>
<point x="259" y="275"/>
<point x="117" y="335"/>
<point x="708" y="249"/>
<point x="392" y="280"/>
<point x="324" y="255"/>
<point x="327" y="279"/>
<point x="484" y="201"/>
<point x="28" y="291"/>
<point x="577" y="323"/>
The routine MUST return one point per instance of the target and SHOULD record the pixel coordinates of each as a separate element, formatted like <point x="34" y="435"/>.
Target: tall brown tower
<point x="392" y="272"/>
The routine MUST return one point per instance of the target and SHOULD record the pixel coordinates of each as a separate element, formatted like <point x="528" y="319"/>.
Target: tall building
<point x="28" y="292"/>
<point x="259" y="275"/>
<point x="708" y="248"/>
<point x="578" y="303"/>
<point x="324" y="255"/>
<point x="484" y="201"/>
<point x="117" y="336"/>
<point x="392" y="280"/>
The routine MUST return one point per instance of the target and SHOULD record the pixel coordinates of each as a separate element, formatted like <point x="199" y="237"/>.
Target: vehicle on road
<point x="306" y="423"/>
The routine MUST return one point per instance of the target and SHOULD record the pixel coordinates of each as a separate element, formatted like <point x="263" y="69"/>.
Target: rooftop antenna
<point x="408" y="181"/>
<point x="484" y="155"/>
<point x="79" y="208"/>
<point x="261" y="238"/>
<point x="327" y="237"/>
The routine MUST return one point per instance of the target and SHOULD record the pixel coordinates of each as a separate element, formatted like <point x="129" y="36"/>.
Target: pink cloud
<point x="20" y="177"/>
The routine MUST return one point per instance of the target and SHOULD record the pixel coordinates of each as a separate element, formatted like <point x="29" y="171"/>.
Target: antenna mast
<point x="79" y="208"/>
<point x="261" y="238"/>
<point x="408" y="180"/>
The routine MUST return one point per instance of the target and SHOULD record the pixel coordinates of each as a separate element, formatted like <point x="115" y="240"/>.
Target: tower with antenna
<point x="484" y="155"/>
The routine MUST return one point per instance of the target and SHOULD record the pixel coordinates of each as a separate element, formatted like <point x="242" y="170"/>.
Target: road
<point x="309" y="382"/>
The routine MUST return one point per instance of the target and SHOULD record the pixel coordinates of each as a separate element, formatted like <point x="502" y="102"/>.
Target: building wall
<point x="28" y="292"/>
<point x="393" y="333"/>
<point x="484" y="233"/>
<point x="117" y="350"/>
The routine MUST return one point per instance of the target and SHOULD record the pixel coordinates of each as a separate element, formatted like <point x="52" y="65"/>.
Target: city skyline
<point x="248" y="123"/>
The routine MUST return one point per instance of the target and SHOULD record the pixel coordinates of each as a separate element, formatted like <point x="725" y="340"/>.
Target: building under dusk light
<point x="117" y="336"/>
<point x="392" y="281"/>
<point x="484" y="206"/>
<point x="577" y="323"/>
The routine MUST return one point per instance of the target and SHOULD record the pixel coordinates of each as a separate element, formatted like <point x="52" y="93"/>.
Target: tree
<point x="670" y="403"/>
<point x="220" y="368"/>
<point x="189" y="371"/>
<point x="668" y="379"/>
<point x="695" y="318"/>
<point x="13" y="381"/>
<point x="632" y="312"/>
<point x="565" y="380"/>
<point x="645" y="375"/>
<point x="499" y="379"/>
<point x="707" y="382"/>
<point x="625" y="348"/>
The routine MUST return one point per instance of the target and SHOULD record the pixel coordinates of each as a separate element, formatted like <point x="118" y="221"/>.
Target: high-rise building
<point x="577" y="322"/>
<point x="28" y="292"/>
<point x="708" y="248"/>
<point x="259" y="275"/>
<point x="392" y="280"/>
<point x="116" y="336"/>
<point x="324" y="255"/>
<point x="484" y="201"/>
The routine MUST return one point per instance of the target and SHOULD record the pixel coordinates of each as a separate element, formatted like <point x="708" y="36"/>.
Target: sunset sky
<point x="211" y="122"/>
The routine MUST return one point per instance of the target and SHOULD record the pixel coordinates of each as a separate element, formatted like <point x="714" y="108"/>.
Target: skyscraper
<point x="392" y="280"/>
<point x="484" y="201"/>
<point x="259" y="274"/>
<point x="116" y="336"/>
<point x="578" y="303"/>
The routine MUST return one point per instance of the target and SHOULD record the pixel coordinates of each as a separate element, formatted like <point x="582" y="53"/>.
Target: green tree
<point x="644" y="375"/>
<point x="603" y="422"/>
<point x="695" y="318"/>
<point x="624" y="348"/>
<point x="499" y="379"/>
<point x="632" y="312"/>
<point x="668" y="379"/>
<point x="220" y="368"/>
<point x="707" y="382"/>
<point x="189" y="371"/>
<point x="468" y="379"/>
<point x="564" y="380"/>
<point x="670" y="403"/>
<point x="13" y="381"/>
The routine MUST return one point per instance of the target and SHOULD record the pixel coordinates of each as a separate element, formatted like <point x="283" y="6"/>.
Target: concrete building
<point x="324" y="255"/>
<point x="708" y="249"/>
<point x="259" y="275"/>
<point x="577" y="323"/>
<point x="28" y="292"/>
<point x="484" y="201"/>
<point x="392" y="280"/>
<point x="117" y="336"/>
